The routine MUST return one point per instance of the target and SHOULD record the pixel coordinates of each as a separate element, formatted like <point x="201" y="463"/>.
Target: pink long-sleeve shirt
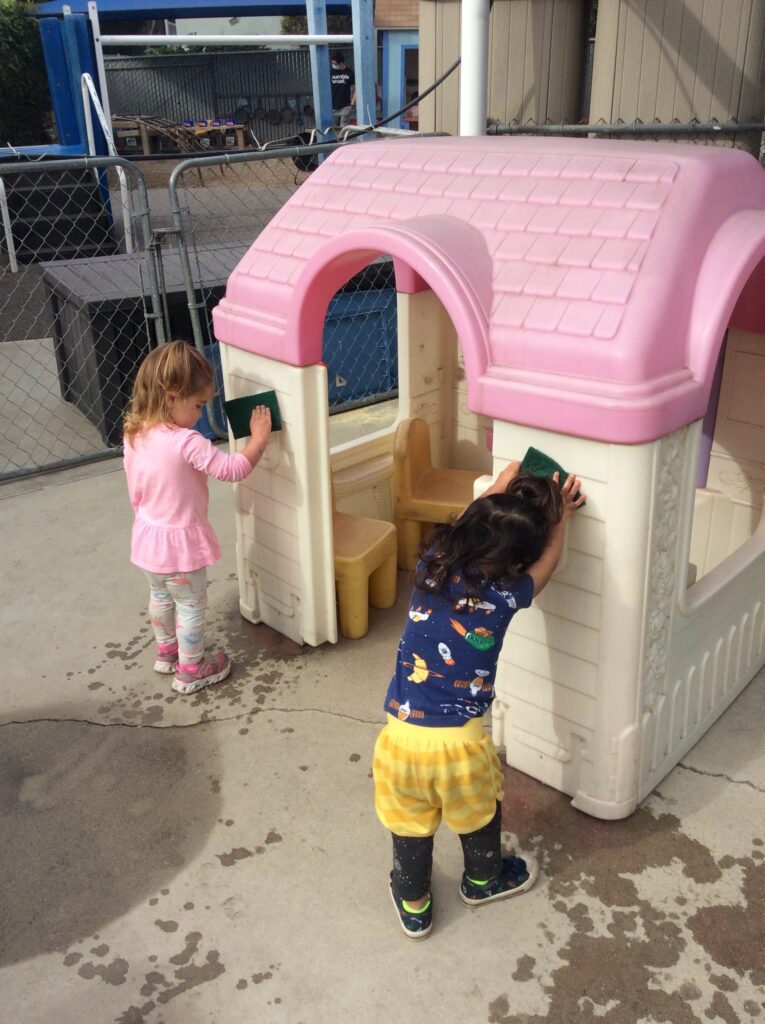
<point x="167" y="469"/>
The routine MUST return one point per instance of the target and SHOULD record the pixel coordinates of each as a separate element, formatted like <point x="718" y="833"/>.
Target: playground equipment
<point x="571" y="295"/>
<point x="423" y="495"/>
<point x="365" y="570"/>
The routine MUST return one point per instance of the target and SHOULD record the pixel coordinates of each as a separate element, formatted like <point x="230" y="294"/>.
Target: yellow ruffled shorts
<point x="425" y="775"/>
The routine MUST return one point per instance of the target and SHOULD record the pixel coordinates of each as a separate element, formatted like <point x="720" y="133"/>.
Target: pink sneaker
<point x="166" y="658"/>
<point x="190" y="678"/>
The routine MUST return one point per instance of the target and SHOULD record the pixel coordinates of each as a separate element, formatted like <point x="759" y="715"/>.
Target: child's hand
<point x="506" y="477"/>
<point x="260" y="423"/>
<point x="568" y="490"/>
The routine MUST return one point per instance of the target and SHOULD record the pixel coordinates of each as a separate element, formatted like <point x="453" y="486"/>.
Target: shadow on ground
<point x="95" y="819"/>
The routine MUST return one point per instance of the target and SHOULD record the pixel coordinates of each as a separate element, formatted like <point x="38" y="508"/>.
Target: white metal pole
<point x="201" y="40"/>
<point x="474" y="70"/>
<point x="95" y="26"/>
<point x="9" y="243"/>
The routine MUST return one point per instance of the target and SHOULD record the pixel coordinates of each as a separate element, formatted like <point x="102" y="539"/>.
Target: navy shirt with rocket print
<point x="447" y="655"/>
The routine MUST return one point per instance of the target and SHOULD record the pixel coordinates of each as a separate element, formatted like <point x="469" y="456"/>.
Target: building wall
<point x="396" y="13"/>
<point x="536" y="61"/>
<point x="684" y="60"/>
<point x="393" y="70"/>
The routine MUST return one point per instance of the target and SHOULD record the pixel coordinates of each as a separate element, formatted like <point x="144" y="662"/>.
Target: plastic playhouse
<point x="599" y="300"/>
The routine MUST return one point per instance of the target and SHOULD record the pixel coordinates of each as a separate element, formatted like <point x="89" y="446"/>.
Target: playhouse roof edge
<point x="586" y="256"/>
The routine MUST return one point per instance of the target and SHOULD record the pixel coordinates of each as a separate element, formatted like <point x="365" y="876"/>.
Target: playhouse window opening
<point x="360" y="349"/>
<point x="730" y="483"/>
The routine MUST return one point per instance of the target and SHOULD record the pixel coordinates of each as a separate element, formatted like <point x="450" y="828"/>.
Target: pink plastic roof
<point x="590" y="282"/>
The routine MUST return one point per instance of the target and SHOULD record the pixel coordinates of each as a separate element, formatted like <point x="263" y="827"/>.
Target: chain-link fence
<point x="740" y="135"/>
<point x="79" y="307"/>
<point x="268" y="92"/>
<point x="220" y="204"/>
<point x="96" y="268"/>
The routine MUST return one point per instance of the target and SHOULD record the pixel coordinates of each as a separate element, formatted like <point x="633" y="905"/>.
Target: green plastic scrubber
<point x="239" y="410"/>
<point x="539" y="464"/>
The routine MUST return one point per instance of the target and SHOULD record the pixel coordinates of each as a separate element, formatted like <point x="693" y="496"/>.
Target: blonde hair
<point x="175" y="368"/>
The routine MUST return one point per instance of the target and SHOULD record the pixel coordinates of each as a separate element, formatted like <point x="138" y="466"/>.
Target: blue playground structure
<point x="72" y="40"/>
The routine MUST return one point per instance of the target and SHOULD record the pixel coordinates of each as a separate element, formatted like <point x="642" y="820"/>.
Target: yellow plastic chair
<point x="365" y="570"/>
<point x="423" y="495"/>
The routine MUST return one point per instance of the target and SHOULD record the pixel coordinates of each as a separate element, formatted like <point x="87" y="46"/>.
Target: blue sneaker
<point x="516" y="876"/>
<point x="416" y="923"/>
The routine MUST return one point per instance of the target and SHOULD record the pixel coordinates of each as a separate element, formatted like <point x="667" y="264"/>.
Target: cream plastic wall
<point x="283" y="509"/>
<point x="729" y="509"/>
<point x="432" y="386"/>
<point x="619" y="667"/>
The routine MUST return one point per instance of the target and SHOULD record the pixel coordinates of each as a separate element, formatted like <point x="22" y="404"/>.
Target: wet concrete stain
<point x="258" y="653"/>
<point x="87" y="831"/>
<point x="114" y="973"/>
<point x="229" y="859"/>
<point x="192" y="946"/>
<point x="186" y="969"/>
<point x="735" y="935"/>
<point x="186" y="977"/>
<point x="273" y="837"/>
<point x="639" y="941"/>
<point x="166" y="926"/>
<point x="524" y="970"/>
<point x="354" y="757"/>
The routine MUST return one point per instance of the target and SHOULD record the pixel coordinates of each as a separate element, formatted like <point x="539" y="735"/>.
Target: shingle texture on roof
<point x="583" y="256"/>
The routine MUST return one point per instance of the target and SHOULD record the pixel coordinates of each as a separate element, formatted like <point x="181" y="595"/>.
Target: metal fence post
<point x="78" y="309"/>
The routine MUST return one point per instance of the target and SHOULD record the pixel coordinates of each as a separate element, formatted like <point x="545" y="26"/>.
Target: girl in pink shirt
<point x="167" y="465"/>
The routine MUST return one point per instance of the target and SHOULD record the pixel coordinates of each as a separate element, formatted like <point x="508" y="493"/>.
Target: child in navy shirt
<point x="432" y="760"/>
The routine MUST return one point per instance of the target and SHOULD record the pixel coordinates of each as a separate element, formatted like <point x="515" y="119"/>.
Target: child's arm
<point x="203" y="455"/>
<point x="500" y="485"/>
<point x="260" y="429"/>
<point x="544" y="567"/>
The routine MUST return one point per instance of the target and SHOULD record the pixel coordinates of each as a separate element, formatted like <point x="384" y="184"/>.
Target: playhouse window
<point x="729" y="497"/>
<point x="360" y="349"/>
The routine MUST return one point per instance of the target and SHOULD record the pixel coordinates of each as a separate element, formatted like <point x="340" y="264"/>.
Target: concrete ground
<point x="216" y="858"/>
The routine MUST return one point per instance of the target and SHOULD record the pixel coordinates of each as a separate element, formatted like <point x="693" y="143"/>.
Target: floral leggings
<point x="177" y="607"/>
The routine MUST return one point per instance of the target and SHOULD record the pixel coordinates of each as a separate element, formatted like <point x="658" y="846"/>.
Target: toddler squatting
<point x="432" y="760"/>
<point x="167" y="465"/>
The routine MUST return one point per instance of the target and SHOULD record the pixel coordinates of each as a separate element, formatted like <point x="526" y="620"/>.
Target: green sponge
<point x="539" y="464"/>
<point x="239" y="410"/>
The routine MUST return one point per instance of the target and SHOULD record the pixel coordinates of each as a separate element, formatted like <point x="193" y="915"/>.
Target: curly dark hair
<point x="495" y="539"/>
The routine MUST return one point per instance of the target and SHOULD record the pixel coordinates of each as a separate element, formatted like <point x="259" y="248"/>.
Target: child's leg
<point x="161" y="608"/>
<point x="412" y="865"/>
<point x="482" y="849"/>
<point x="189" y="592"/>
<point x="488" y="875"/>
<point x="162" y="618"/>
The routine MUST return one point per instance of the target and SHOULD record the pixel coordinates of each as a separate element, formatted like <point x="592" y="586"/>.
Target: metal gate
<point x="93" y="275"/>
<point x="80" y="306"/>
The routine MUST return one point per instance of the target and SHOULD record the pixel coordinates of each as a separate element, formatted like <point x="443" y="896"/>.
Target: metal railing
<point x="719" y="133"/>
<point x="90" y="96"/>
<point x="91" y="295"/>
<point x="219" y="204"/>
<point x="80" y="306"/>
